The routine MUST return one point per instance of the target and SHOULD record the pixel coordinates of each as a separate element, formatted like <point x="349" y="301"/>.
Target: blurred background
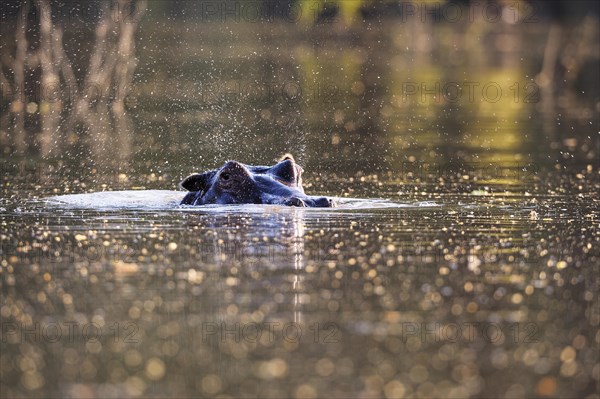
<point x="160" y="87"/>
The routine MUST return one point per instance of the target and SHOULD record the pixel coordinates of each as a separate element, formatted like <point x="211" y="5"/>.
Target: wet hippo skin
<point x="236" y="183"/>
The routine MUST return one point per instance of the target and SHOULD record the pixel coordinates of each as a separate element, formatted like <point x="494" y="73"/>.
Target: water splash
<point x="145" y="200"/>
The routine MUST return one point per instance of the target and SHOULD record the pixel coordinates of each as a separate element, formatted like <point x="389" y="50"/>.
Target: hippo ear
<point x="285" y="170"/>
<point x="290" y="157"/>
<point x="197" y="181"/>
<point x="286" y="157"/>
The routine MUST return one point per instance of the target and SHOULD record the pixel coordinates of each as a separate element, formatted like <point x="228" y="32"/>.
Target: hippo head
<point x="231" y="184"/>
<point x="236" y="183"/>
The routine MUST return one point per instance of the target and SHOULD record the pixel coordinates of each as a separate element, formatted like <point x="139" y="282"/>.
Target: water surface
<point x="463" y="260"/>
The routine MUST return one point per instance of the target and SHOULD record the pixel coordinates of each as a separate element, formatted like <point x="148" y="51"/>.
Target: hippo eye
<point x="225" y="176"/>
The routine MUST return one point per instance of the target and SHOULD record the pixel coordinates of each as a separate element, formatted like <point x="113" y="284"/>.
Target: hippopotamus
<point x="237" y="183"/>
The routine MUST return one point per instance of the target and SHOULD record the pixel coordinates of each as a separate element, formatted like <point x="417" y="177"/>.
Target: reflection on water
<point x="461" y="262"/>
<point x="429" y="299"/>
